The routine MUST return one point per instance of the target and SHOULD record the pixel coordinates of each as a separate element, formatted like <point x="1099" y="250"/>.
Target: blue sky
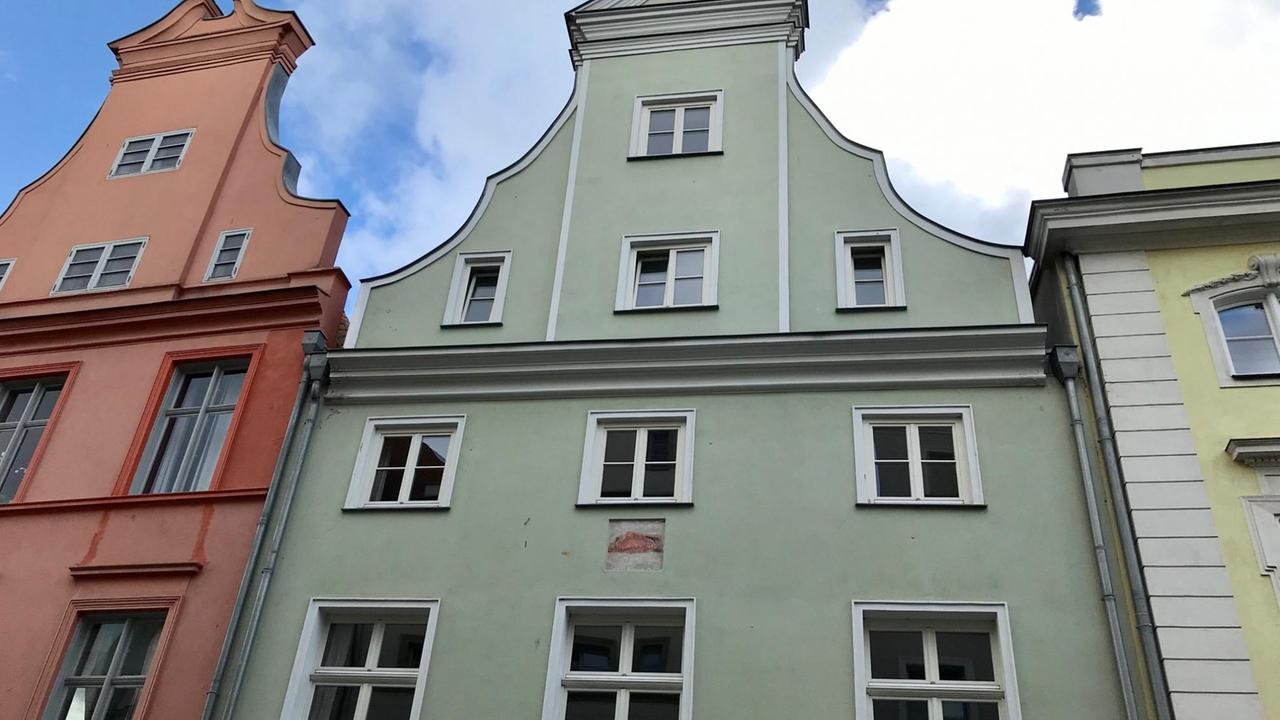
<point x="405" y="106"/>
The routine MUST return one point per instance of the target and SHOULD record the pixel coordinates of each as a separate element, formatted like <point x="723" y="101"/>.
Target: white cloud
<point x="983" y="100"/>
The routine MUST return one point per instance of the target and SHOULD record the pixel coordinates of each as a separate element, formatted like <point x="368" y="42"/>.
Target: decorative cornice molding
<point x="1268" y="269"/>
<point x="989" y="356"/>
<point x="1255" y="452"/>
<point x="1222" y="282"/>
<point x="131" y="570"/>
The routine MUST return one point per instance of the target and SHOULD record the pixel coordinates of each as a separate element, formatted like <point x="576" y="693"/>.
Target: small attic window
<point x="669" y="125"/>
<point x="152" y="153"/>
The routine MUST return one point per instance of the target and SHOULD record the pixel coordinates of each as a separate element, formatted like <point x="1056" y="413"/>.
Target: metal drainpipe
<point x="1111" y="464"/>
<point x="1065" y="362"/>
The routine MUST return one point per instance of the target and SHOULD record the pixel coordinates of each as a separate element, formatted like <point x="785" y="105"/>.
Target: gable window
<point x="6" y="266"/>
<point x="406" y="462"/>
<point x="1241" y="318"/>
<point x="106" y="667"/>
<point x="25" y="409"/>
<point x="686" y="124"/>
<point x="187" y="439"/>
<point x="934" y="662"/>
<point x="152" y="153"/>
<point x="1249" y="331"/>
<point x="94" y="267"/>
<point x="621" y="660"/>
<point x="362" y="660"/>
<point x="916" y="455"/>
<point x="479" y="288"/>
<point x="638" y="456"/>
<point x="668" y="271"/>
<point x="227" y="255"/>
<point x="869" y="270"/>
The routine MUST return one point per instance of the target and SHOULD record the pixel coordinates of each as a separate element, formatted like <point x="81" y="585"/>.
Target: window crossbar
<point x="918" y="689"/>
<point x="644" y="682"/>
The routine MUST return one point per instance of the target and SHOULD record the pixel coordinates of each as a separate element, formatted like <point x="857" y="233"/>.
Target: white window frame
<point x="600" y="421"/>
<point x="102" y="261"/>
<point x="560" y="680"/>
<point x="217" y="250"/>
<point x="456" y="306"/>
<point x="155" y="139"/>
<point x="895" y="292"/>
<point x="960" y="417"/>
<point x="646" y="104"/>
<point x="321" y="612"/>
<point x="1209" y="301"/>
<point x="1263" y="514"/>
<point x="375" y="429"/>
<point x="6" y="269"/>
<point x="633" y="245"/>
<point x="944" y="616"/>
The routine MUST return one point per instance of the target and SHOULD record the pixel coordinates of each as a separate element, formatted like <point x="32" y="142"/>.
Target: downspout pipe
<point x="313" y="343"/>
<point x="1065" y="363"/>
<point x="1120" y="501"/>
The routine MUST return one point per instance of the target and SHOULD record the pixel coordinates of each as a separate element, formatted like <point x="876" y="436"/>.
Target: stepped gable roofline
<point x="196" y="33"/>
<point x="611" y="28"/>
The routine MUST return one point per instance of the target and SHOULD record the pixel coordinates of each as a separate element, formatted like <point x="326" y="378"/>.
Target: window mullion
<point x="930" y="656"/>
<point x="151" y="155"/>
<point x="375" y="646"/>
<point x="914" y="463"/>
<point x="410" y="464"/>
<point x="113" y="669"/>
<point x="97" y="268"/>
<point x="625" y="658"/>
<point x="677" y="142"/>
<point x="1272" y="305"/>
<point x="362" y="702"/>
<point x="637" y="467"/>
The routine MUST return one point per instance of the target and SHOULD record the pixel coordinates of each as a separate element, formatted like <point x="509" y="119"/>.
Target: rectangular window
<point x="621" y="660"/>
<point x="638" y="456"/>
<point x="225" y="262"/>
<point x="406" y="462"/>
<point x="1250" y="332"/>
<point x="479" y="288"/>
<point x="106" y="667"/>
<point x="6" y="267"/>
<point x="94" y="267"/>
<point x="668" y="271"/>
<point x="187" y="440"/>
<point x="916" y="455"/>
<point x="25" y="409"/>
<point x="152" y="153"/>
<point x="934" y="662"/>
<point x="869" y="270"/>
<point x="666" y="125"/>
<point x="362" y="660"/>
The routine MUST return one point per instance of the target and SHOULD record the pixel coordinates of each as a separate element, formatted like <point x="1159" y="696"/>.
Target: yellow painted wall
<point x="1175" y="176"/>
<point x="1217" y="415"/>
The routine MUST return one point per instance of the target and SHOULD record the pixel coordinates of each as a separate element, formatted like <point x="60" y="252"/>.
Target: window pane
<point x="395" y="451"/>
<point x="1254" y="356"/>
<point x="21" y="461"/>
<point x="688" y="291"/>
<point x="689" y="263"/>
<point x="897" y="655"/>
<point x="122" y="703"/>
<point x="112" y="279"/>
<point x="650" y="295"/>
<point x="228" y="256"/>
<point x="615" y="481"/>
<point x="697" y="118"/>
<point x="402" y="645"/>
<point x="192" y="389"/>
<point x="657" y="649"/>
<point x="620" y="446"/>
<point x="890" y="442"/>
<point x="661" y="144"/>
<point x="173" y="445"/>
<point x="940" y="480"/>
<point x="142" y="644"/>
<point x="386" y="485"/>
<point x="229" y="387"/>
<point x="118" y="266"/>
<point x="139" y="145"/>
<point x="484" y="283"/>
<point x="222" y="271"/>
<point x="662" y="446"/>
<point x="652" y="266"/>
<point x="695" y="141"/>
<point x="100" y="645"/>
<point x="900" y="710"/>
<point x="965" y="656"/>
<point x="893" y="479"/>
<point x="347" y="645"/>
<point x="869" y="293"/>
<point x="176" y="139"/>
<point x="73" y="283"/>
<point x="937" y="442"/>
<point x="390" y="703"/>
<point x="80" y="704"/>
<point x="164" y="163"/>
<point x="659" y="480"/>
<point x="15" y="404"/>
<point x="87" y="255"/>
<point x="9" y="483"/>
<point x="426" y="484"/>
<point x="433" y="450"/>
<point x="478" y="311"/>
<point x="591" y="706"/>
<point x="334" y="703"/>
<point x="209" y="450"/>
<point x="662" y="121"/>
<point x="970" y="711"/>
<point x="47" y="402"/>
<point x="595" y="648"/>
<point x="867" y="265"/>
<point x="233" y="242"/>
<point x="1245" y="321"/>
<point x="129" y="168"/>
<point x="652" y="706"/>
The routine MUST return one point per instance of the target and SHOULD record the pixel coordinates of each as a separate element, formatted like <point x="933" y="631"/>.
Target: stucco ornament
<point x="1268" y="269"/>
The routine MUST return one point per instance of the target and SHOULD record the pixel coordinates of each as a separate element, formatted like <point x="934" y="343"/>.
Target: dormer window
<point x="479" y="289"/>
<point x="99" y="267"/>
<point x="666" y="125"/>
<point x="153" y="153"/>
<point x="225" y="262"/>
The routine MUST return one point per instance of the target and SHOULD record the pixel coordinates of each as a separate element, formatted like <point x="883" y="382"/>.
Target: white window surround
<point x="464" y="265"/>
<point x="149" y="161"/>
<point x="1263" y="514"/>
<point x="633" y="245"/>
<point x="966" y="448"/>
<point x="895" y="285"/>
<point x="217" y="251"/>
<point x="322" y="611"/>
<point x="6" y="269"/>
<point x="646" y="104"/>
<point x="598" y="422"/>
<point x="994" y="617"/>
<point x="1243" y="289"/>
<point x="561" y="646"/>
<point x="375" y="429"/>
<point x="95" y="278"/>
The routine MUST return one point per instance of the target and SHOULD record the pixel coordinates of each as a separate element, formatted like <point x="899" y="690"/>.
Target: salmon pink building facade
<point x="157" y="288"/>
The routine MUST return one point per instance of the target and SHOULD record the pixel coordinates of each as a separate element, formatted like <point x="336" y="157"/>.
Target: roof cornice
<point x="987" y="356"/>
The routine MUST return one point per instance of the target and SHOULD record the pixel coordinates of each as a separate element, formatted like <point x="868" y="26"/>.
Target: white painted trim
<point x="1208" y="302"/>
<point x="566" y="219"/>
<point x="102" y="261"/>
<point x="297" y="699"/>
<point x="464" y="263"/>
<point x="490" y="186"/>
<point x="646" y="104"/>
<point x="560" y="645"/>
<point x="1022" y="289"/>
<point x="784" y="195"/>
<point x="896" y="288"/>
<point x="925" y="613"/>
<point x="593" y="453"/>
<point x="7" y="264"/>
<point x="624" y="299"/>
<point x="1263" y="515"/>
<point x="151" y="153"/>
<point x="864" y="452"/>
<point x="371" y="445"/>
<point x="217" y="250"/>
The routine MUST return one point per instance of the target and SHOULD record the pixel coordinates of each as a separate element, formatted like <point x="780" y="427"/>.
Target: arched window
<point x="1250" y="332"/>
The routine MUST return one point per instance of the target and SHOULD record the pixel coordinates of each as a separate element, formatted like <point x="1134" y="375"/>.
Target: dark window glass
<point x="657" y="649"/>
<point x="652" y="706"/>
<point x="897" y="655"/>
<point x="965" y="656"/>
<point x="334" y="702"/>
<point x="402" y="645"/>
<point x="591" y="706"/>
<point x="900" y="710"/>
<point x="347" y="645"/>
<point x="596" y="648"/>
<point x="970" y="711"/>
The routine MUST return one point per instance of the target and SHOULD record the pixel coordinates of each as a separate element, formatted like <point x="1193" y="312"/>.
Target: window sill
<point x="870" y="308"/>
<point x="637" y="504"/>
<point x="86" y="291"/>
<point x="1257" y="376"/>
<point x="672" y="308"/>
<point x="920" y="504"/>
<point x="144" y="173"/>
<point x="456" y="326"/>
<point x="407" y="507"/>
<point x="668" y="156"/>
